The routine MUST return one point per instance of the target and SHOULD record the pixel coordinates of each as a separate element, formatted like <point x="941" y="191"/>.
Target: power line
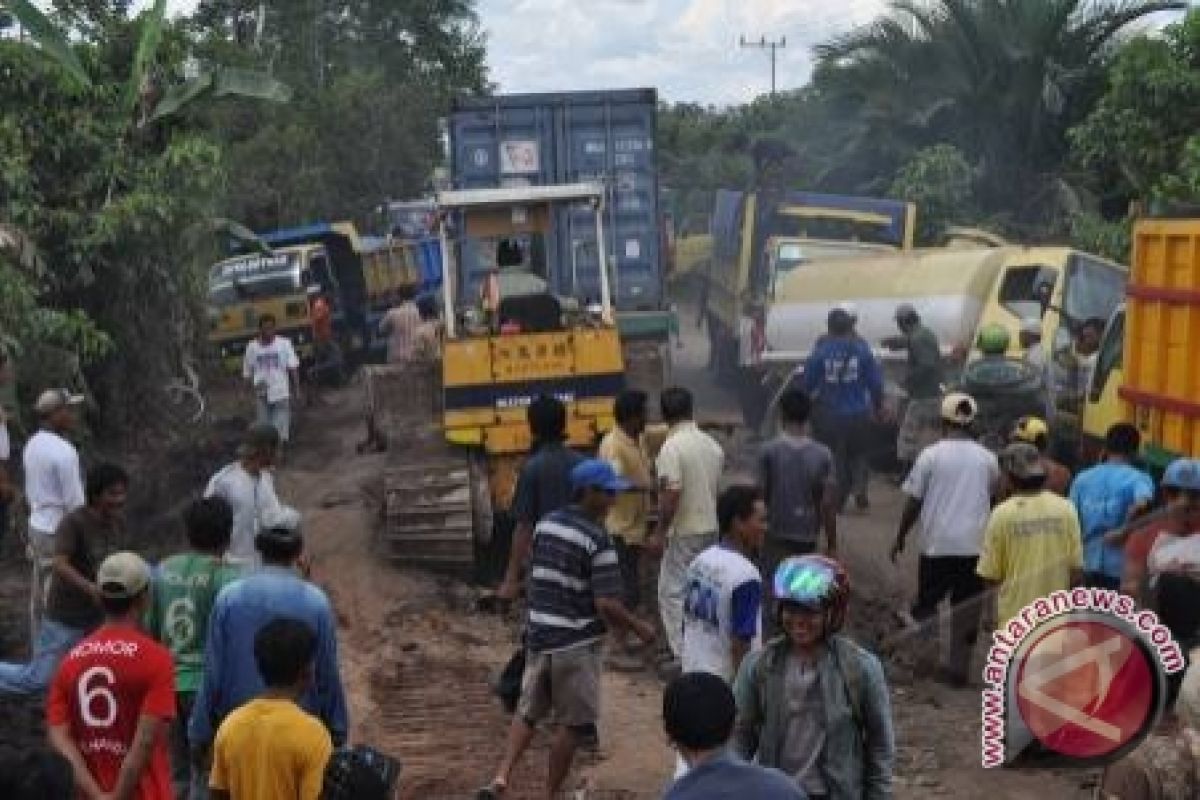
<point x="772" y="46"/>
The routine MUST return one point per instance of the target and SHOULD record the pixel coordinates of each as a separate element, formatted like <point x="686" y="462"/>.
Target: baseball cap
<point x="1031" y="325"/>
<point x="1030" y="429"/>
<point x="594" y="473"/>
<point x="959" y="408"/>
<point x="1182" y="473"/>
<point x="850" y="308"/>
<point x="52" y="400"/>
<point x="123" y="575"/>
<point x="1022" y="460"/>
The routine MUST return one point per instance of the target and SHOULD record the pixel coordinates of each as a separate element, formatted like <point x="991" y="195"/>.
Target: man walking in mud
<point x="919" y="428"/>
<point x="689" y="473"/>
<point x="574" y="596"/>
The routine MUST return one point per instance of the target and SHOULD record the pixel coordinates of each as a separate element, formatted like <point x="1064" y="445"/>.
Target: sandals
<point x="493" y="791"/>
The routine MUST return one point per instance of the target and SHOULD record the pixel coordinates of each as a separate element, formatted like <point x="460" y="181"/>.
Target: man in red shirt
<point x="113" y="698"/>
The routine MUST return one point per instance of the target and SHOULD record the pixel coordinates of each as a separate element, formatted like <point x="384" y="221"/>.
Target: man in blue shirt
<point x="698" y="715"/>
<point x="844" y="378"/>
<point x="1108" y="496"/>
<point x="231" y="675"/>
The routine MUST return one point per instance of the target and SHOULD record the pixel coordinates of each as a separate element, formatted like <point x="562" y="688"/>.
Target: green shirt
<point x="924" y="365"/>
<point x="185" y="587"/>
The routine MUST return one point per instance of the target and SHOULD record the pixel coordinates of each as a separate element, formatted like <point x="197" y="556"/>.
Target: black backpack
<point x="360" y="773"/>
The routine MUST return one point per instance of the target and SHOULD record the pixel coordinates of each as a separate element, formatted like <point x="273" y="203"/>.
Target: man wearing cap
<point x="1035" y="431"/>
<point x="1032" y="546"/>
<point x="574" y="589"/>
<point x="114" y="695"/>
<point x="82" y="540"/>
<point x="923" y="384"/>
<point x="231" y="675"/>
<point x="249" y="488"/>
<point x="53" y="488"/>
<point x="950" y="492"/>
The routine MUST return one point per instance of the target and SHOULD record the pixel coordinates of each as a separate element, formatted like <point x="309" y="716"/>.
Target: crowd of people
<point x="215" y="673"/>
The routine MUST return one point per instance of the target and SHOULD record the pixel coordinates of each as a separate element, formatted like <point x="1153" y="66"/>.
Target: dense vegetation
<point x="1042" y="119"/>
<point x="122" y="153"/>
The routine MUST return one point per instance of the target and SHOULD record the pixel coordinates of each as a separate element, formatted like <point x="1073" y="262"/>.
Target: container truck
<point x="606" y="137"/>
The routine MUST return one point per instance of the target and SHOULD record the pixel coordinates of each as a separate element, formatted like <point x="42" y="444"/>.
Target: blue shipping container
<point x="544" y="139"/>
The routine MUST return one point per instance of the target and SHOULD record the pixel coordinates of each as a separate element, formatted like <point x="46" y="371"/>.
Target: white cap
<point x="1031" y="325"/>
<point x="850" y="309"/>
<point x="283" y="518"/>
<point x="52" y="400"/>
<point x="959" y="408"/>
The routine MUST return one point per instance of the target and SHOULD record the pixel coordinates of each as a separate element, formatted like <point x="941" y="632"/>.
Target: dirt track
<point x="418" y="658"/>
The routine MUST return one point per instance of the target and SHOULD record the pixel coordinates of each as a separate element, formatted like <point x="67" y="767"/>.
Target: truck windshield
<point x="1094" y="289"/>
<point x="249" y="278"/>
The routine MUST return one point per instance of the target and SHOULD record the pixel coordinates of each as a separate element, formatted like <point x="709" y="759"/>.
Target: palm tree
<point x="1003" y="80"/>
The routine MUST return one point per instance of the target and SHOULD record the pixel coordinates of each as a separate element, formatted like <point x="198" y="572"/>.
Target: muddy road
<point x="418" y="658"/>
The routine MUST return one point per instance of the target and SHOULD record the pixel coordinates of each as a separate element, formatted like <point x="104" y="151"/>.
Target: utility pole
<point x="772" y="46"/>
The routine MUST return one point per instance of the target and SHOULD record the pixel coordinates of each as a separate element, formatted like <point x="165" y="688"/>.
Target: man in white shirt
<point x="689" y="469"/>
<point x="247" y="486"/>
<point x="722" y="607"/>
<point x="271" y="366"/>
<point x="950" y="491"/>
<point x="53" y="489"/>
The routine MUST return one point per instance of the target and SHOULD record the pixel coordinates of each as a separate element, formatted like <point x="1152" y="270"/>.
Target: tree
<point x="940" y="182"/>
<point x="1001" y="80"/>
<point x="1141" y="138"/>
<point x="114" y="200"/>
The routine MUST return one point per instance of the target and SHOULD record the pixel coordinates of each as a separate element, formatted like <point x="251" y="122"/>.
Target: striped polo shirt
<point x="573" y="563"/>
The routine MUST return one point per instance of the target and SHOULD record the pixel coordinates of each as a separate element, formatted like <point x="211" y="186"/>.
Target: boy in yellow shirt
<point x="1032" y="545"/>
<point x="270" y="749"/>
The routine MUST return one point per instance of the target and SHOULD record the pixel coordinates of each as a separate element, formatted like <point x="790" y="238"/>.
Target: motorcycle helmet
<point x="816" y="583"/>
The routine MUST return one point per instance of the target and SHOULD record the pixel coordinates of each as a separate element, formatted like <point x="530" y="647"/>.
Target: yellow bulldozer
<point x="456" y="431"/>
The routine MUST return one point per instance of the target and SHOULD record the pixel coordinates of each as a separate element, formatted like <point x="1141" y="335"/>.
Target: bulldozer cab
<point x="509" y="338"/>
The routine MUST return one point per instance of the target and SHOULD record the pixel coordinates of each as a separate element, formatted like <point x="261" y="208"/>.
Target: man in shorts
<point x="574" y="589"/>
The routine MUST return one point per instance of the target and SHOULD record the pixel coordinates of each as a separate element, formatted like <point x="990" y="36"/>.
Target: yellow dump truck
<point x="758" y="238"/>
<point x="1147" y="371"/>
<point x="358" y="275"/>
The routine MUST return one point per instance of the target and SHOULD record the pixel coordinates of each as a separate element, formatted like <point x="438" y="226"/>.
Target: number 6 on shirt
<point x="101" y="693"/>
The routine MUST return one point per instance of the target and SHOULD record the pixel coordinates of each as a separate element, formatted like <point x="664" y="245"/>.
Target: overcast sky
<point x="687" y="49"/>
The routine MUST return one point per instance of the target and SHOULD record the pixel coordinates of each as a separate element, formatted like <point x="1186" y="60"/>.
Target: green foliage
<point x="1141" y="135"/>
<point x="940" y="182"/>
<point x="48" y="37"/>
<point x="371" y="79"/>
<point x="1094" y="234"/>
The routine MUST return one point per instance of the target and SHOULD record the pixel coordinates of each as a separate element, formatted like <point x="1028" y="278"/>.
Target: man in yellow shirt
<point x="626" y="523"/>
<point x="1032" y="545"/>
<point x="270" y="749"/>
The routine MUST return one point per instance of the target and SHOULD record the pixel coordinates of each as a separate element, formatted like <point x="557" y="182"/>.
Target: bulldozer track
<point x="441" y="720"/>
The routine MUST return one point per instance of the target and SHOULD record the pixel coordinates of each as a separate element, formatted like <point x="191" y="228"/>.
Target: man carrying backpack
<point x="812" y="703"/>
